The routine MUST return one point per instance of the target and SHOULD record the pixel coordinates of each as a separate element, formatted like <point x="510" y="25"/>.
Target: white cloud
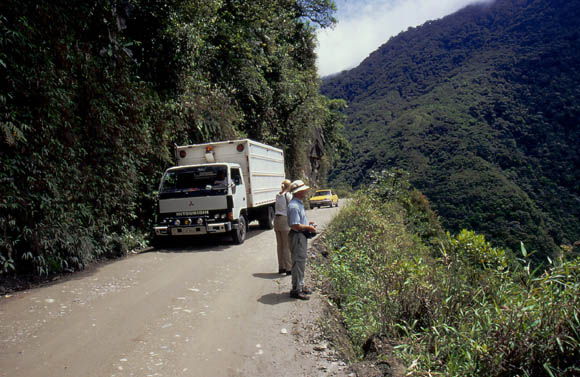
<point x="364" y="25"/>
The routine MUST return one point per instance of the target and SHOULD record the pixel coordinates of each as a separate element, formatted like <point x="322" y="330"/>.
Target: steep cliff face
<point x="482" y="109"/>
<point x="315" y="155"/>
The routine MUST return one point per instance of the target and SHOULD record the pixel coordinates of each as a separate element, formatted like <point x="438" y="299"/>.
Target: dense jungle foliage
<point x="442" y="304"/>
<point x="96" y="93"/>
<point x="482" y="108"/>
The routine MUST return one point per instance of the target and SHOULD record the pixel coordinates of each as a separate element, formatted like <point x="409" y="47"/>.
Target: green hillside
<point x="483" y="109"/>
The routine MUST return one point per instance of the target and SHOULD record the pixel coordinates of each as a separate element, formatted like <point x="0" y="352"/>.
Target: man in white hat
<point x="298" y="240"/>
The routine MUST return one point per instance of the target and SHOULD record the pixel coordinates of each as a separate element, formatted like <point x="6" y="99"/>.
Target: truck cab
<point x="202" y="199"/>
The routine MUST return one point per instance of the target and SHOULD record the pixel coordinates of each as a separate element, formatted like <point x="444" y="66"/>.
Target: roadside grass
<point x="453" y="305"/>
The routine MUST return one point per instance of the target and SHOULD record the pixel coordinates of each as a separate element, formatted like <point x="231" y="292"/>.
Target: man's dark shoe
<point x="282" y="271"/>
<point x="307" y="291"/>
<point x="289" y="272"/>
<point x="298" y="295"/>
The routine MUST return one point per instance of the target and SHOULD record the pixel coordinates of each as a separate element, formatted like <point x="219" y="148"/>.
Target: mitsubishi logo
<point x="191" y="203"/>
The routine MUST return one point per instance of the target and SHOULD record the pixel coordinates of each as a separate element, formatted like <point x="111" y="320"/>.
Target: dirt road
<point x="214" y="309"/>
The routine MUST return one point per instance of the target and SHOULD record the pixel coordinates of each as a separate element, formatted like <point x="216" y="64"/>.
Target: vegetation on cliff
<point x="442" y="304"/>
<point x="96" y="93"/>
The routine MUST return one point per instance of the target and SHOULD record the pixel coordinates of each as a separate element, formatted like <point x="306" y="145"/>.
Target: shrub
<point x="463" y="308"/>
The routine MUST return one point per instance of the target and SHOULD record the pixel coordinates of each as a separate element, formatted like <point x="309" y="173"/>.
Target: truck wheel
<point x="161" y="242"/>
<point x="267" y="222"/>
<point x="157" y="242"/>
<point x="239" y="235"/>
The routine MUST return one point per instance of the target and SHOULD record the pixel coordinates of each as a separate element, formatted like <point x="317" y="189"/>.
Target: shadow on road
<point x="276" y="298"/>
<point x="268" y="275"/>
<point x="212" y="242"/>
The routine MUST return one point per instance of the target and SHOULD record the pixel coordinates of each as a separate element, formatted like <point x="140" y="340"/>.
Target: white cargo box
<point x="262" y="165"/>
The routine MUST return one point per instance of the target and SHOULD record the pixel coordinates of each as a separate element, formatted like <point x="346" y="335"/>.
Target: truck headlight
<point x="199" y="221"/>
<point x="177" y="222"/>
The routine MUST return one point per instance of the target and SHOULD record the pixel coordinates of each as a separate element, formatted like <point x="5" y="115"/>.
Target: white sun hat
<point x="298" y="186"/>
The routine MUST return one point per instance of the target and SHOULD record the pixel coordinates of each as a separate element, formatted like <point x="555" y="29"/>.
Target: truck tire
<point x="267" y="221"/>
<point x="161" y="242"/>
<point x="239" y="234"/>
<point x="156" y="242"/>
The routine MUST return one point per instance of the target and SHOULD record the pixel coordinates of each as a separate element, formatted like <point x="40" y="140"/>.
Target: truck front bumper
<point x="193" y="230"/>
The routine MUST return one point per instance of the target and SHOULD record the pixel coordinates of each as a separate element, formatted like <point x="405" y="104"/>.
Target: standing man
<point x="298" y="239"/>
<point x="281" y="228"/>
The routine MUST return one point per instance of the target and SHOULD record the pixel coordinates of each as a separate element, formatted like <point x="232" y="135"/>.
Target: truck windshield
<point x="194" y="181"/>
<point x="322" y="193"/>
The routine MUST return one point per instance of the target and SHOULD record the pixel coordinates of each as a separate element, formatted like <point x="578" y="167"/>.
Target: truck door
<point x="238" y="191"/>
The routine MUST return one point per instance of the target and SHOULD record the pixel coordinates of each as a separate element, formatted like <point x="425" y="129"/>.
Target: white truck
<point x="219" y="188"/>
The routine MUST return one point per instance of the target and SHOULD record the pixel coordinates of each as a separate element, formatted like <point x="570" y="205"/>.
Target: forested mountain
<point x="483" y="109"/>
<point x="96" y="93"/>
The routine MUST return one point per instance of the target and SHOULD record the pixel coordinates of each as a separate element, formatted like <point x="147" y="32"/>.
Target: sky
<point x="364" y="25"/>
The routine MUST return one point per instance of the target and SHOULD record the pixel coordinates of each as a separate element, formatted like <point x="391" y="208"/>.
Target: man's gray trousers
<point x="298" y="248"/>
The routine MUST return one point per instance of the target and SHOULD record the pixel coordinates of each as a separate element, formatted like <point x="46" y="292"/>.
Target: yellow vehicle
<point x="324" y="197"/>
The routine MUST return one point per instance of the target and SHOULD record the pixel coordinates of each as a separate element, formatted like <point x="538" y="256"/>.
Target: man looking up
<point x="298" y="240"/>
